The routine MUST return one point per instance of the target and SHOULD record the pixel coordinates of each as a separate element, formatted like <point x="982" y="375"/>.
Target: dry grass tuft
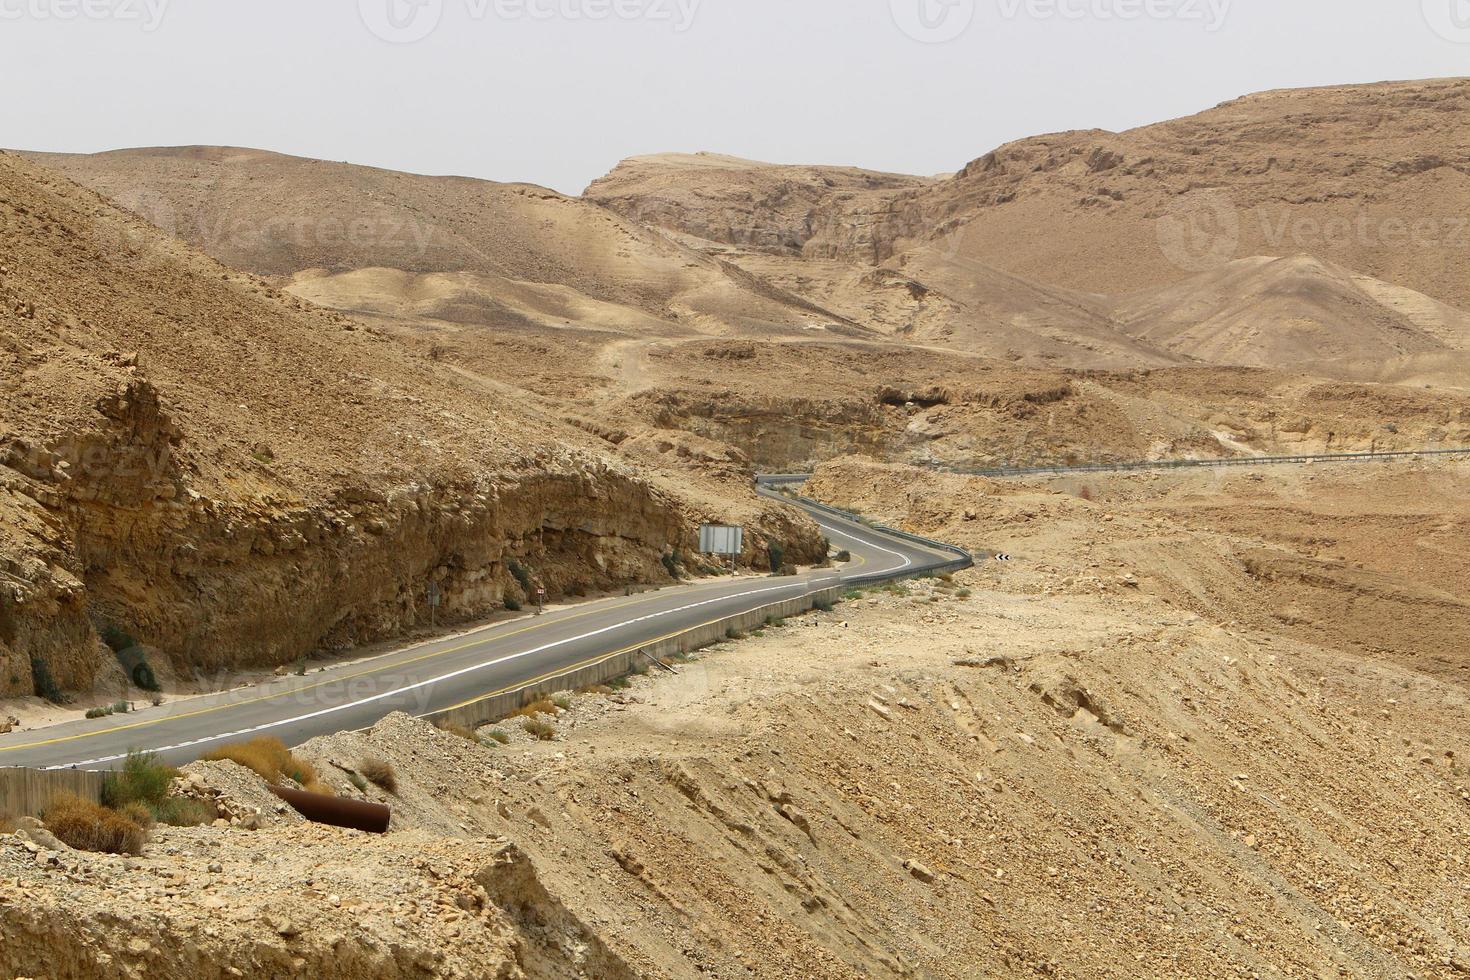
<point x="88" y="826"/>
<point x="543" y="731"/>
<point x="543" y="707"/>
<point x="461" y="731"/>
<point x="269" y="759"/>
<point x="380" y="773"/>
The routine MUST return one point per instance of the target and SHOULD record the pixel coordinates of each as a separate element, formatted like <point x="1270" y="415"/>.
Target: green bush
<point x="142" y="779"/>
<point x="121" y="708"/>
<point x="671" y="564"/>
<point x="43" y="683"/>
<point x="101" y="712"/>
<point x="777" y="555"/>
<point x="823" y="605"/>
<point x="844" y="555"/>
<point x="117" y="639"/>
<point x="519" y="573"/>
<point x="144" y="678"/>
<point x="512" y="603"/>
<point x="139" y="791"/>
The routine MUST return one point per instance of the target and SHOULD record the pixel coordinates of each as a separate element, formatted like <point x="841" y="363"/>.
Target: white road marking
<point x="907" y="561"/>
<point x="429" y="683"/>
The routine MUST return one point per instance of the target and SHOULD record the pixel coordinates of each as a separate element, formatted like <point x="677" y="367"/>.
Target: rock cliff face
<point x="195" y="462"/>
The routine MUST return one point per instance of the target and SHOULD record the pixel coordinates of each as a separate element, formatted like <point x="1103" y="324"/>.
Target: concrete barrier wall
<point x="502" y="705"/>
<point x="28" y="792"/>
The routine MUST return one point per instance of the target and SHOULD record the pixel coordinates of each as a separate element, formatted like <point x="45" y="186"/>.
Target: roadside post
<point x="435" y="598"/>
<point x="540" y="599"/>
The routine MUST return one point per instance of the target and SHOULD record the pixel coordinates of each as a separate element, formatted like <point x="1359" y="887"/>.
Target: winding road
<point x="460" y="670"/>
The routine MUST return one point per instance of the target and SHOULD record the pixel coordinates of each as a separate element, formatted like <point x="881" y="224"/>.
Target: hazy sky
<point x="557" y="91"/>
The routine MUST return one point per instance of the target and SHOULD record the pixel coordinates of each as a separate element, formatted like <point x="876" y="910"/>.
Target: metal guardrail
<point x="963" y="559"/>
<point x="1002" y="472"/>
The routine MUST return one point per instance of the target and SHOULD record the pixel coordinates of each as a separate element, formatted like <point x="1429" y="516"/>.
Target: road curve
<point x="447" y="673"/>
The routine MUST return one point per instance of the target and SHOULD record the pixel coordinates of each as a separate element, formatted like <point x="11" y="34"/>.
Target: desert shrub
<point x="144" y="678"/>
<point x="138" y="813"/>
<point x="117" y="639"/>
<point x="43" y="683"/>
<point x="519" y="573"/>
<point x="380" y="773"/>
<point x="460" y="731"/>
<point x="182" y="811"/>
<point x="963" y="594"/>
<point x="512" y="603"/>
<point x="787" y="570"/>
<point x="269" y="759"/>
<point x="823" y="605"/>
<point x="671" y="564"/>
<point x="143" y="779"/>
<point x="620" y="684"/>
<point x="844" y="555"/>
<point x="120" y="708"/>
<point x="357" y="781"/>
<point x="543" y="731"/>
<point x="734" y="634"/>
<point x="777" y="554"/>
<point x="563" y="701"/>
<point x="87" y="826"/>
<point x="946" y="577"/>
<point x="540" y="707"/>
<point x="497" y="736"/>
<point x="853" y="595"/>
<point x="101" y="712"/>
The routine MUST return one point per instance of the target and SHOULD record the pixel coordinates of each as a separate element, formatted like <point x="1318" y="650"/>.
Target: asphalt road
<point x="446" y="673"/>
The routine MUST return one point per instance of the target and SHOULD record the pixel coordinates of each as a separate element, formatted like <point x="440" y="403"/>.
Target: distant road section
<point x="1004" y="472"/>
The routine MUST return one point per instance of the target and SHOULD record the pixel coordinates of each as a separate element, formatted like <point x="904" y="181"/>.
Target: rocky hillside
<point x="234" y="478"/>
<point x="1014" y="255"/>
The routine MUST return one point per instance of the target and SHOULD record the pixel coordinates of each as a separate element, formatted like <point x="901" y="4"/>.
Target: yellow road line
<point x="539" y="624"/>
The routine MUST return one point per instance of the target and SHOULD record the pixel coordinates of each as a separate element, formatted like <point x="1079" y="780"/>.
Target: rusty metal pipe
<point x="371" y="818"/>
